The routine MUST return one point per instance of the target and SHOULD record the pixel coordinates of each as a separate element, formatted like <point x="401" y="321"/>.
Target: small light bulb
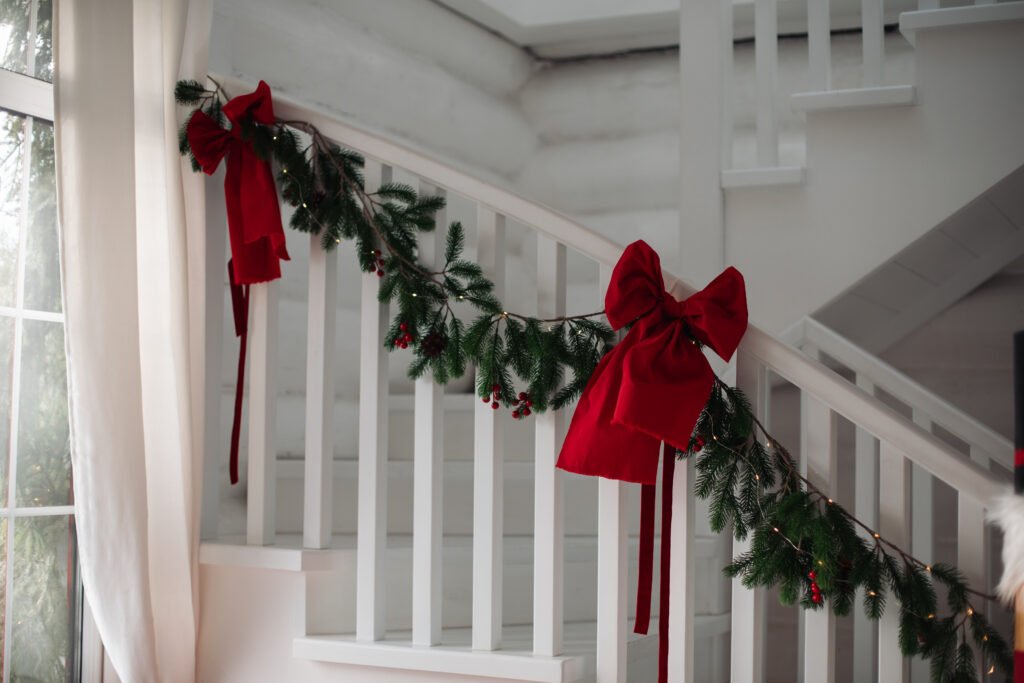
<point x="414" y="295"/>
<point x="829" y="501"/>
<point x="931" y="616"/>
<point x="991" y="669"/>
<point x="872" y="593"/>
<point x="775" y="529"/>
<point x="284" y="169"/>
<point x="274" y="138"/>
<point x="757" y="477"/>
<point x="928" y="568"/>
<point x="304" y="205"/>
<point x="970" y="611"/>
<point x="877" y="536"/>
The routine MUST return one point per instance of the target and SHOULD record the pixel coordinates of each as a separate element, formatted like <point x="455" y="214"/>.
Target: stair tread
<point x="515" y="660"/>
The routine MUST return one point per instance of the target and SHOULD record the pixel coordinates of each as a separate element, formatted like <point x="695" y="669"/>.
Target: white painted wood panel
<point x="428" y="473"/>
<point x="683" y="575"/>
<point x="766" y="50"/>
<point x="865" y="507"/>
<point x="372" y="527"/>
<point x="261" y="503"/>
<point x="319" y="475"/>
<point x="819" y="45"/>
<point x="893" y="524"/>
<point x="748" y="606"/>
<point x="488" y="462"/>
<point x="873" y="27"/>
<point x="215" y="444"/>
<point x="548" y="512"/>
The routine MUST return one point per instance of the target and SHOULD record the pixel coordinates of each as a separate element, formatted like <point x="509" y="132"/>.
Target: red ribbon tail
<point x="645" y="579"/>
<point x="240" y="309"/>
<point x="668" y="476"/>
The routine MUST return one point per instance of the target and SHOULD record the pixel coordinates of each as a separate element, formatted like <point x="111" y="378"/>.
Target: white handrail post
<point x="371" y="532"/>
<point x="705" y="130"/>
<point x="766" y="55"/>
<point x="972" y="547"/>
<point x="893" y="518"/>
<point x="215" y="446"/>
<point x="748" y="608"/>
<point x="818" y="451"/>
<point x="612" y="574"/>
<point x="683" y="576"/>
<point x="548" y="513"/>
<point x="319" y="464"/>
<point x="873" y="27"/>
<point x="428" y="474"/>
<point x="488" y="463"/>
<point x="865" y="505"/>
<point x="819" y="49"/>
<point x="261" y="505"/>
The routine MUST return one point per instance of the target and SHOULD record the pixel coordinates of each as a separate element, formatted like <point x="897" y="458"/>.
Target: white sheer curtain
<point x="132" y="250"/>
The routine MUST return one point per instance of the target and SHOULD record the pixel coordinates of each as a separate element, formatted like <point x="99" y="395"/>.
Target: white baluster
<point x="748" y="608"/>
<point x="548" y="513"/>
<point x="865" y="505"/>
<point x="612" y="603"/>
<point x="683" y="576"/>
<point x="726" y="49"/>
<point x="261" y="505"/>
<point x="928" y="4"/>
<point x="818" y="450"/>
<point x="371" y="541"/>
<point x="319" y="465"/>
<point x="215" y="444"/>
<point x="873" y="20"/>
<point x="766" y="55"/>
<point x="819" y="46"/>
<point x="893" y="525"/>
<point x="922" y="526"/>
<point x="488" y="462"/>
<point x="972" y="547"/>
<point x="428" y="475"/>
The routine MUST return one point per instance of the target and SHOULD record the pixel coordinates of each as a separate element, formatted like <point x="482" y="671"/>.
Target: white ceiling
<point x="570" y="28"/>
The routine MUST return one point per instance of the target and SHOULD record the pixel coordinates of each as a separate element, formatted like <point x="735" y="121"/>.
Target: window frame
<point x="24" y="95"/>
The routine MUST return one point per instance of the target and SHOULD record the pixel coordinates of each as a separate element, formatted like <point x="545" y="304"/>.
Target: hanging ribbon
<point x="254" y="215"/>
<point x="648" y="391"/>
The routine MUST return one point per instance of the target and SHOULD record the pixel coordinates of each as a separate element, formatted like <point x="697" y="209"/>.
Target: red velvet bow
<point x="648" y="390"/>
<point x="254" y="215"/>
<point x="652" y="386"/>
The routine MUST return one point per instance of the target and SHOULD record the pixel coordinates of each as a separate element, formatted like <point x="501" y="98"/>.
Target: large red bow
<point x="648" y="390"/>
<point x="652" y="386"/>
<point x="254" y="215"/>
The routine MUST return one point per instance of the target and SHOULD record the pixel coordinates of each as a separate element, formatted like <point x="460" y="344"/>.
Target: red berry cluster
<point x="404" y="337"/>
<point x="378" y="266"/>
<point x="493" y="398"/>
<point x="523" y="405"/>
<point x="815" y="590"/>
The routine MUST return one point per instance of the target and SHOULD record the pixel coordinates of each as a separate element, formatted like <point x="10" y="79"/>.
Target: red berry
<point x="485" y="399"/>
<point x="496" y="388"/>
<point x="515" y="414"/>
<point x="811" y="575"/>
<point x="495" y="405"/>
<point x="403" y="327"/>
<point x="380" y="273"/>
<point x="526" y="411"/>
<point x="529" y="403"/>
<point x="522" y="395"/>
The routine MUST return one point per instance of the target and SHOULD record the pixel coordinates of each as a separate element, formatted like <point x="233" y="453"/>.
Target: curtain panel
<point x="132" y="259"/>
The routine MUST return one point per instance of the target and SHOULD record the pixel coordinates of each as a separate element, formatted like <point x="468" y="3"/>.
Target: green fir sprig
<point x="448" y="316"/>
<point x="819" y="555"/>
<point x="816" y="552"/>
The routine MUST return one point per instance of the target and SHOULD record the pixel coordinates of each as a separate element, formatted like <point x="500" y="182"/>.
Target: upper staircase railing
<point x="901" y="443"/>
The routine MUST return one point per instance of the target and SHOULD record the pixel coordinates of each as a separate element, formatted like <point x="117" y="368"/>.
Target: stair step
<point x="762" y="177"/>
<point x="912" y="22"/>
<point x="856" y="98"/>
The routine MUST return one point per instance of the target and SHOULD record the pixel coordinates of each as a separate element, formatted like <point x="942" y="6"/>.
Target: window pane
<point x="14" y="19"/>
<point x="44" y="457"/>
<point x="21" y="49"/>
<point x="12" y="154"/>
<point x="6" y="366"/>
<point x="43" y="600"/>
<point x="42" y="264"/>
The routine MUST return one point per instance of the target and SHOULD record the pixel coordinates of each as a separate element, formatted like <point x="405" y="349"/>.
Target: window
<point x="40" y="593"/>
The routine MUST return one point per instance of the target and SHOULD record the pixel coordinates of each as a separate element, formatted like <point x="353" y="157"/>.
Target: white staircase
<point x="395" y="531"/>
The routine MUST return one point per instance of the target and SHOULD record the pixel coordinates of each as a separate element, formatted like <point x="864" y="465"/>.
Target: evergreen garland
<point x="801" y="540"/>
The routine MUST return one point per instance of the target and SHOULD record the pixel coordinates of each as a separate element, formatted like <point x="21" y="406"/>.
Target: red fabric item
<point x="254" y="215"/>
<point x="667" y="479"/>
<point x="1018" y="666"/>
<point x="1018" y="457"/>
<point x="240" y="308"/>
<point x="652" y="386"/>
<point x="645" y="574"/>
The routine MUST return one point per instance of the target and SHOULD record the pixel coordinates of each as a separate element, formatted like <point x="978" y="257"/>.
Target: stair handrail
<point x="979" y="436"/>
<point x="856" y="405"/>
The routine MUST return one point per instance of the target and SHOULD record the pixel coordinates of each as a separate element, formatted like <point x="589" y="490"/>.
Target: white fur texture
<point x="1008" y="513"/>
